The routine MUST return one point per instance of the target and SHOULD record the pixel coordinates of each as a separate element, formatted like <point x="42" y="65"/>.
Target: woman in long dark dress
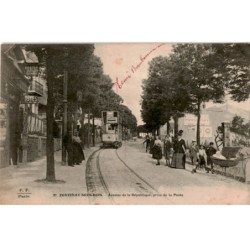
<point x="179" y="157"/>
<point x="78" y="154"/>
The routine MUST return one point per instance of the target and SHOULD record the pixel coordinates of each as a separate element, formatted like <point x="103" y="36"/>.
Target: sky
<point x="127" y="64"/>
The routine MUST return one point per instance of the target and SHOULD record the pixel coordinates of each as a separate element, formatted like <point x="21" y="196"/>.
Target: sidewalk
<point x="198" y="188"/>
<point x="28" y="179"/>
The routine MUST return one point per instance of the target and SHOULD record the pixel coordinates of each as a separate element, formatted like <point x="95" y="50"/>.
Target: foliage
<point x="142" y="129"/>
<point x="194" y="74"/>
<point x="234" y="63"/>
<point x="154" y="111"/>
<point x="89" y="84"/>
<point x="107" y="98"/>
<point x="88" y="88"/>
<point x="238" y="126"/>
<point x="203" y="81"/>
<point x="202" y="78"/>
<point x="55" y="59"/>
<point x="128" y="120"/>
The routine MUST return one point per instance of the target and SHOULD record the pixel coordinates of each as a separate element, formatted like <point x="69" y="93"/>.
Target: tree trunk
<point x="176" y="125"/>
<point x="50" y="174"/>
<point x="168" y="127"/>
<point x="198" y="139"/>
<point x="93" y="130"/>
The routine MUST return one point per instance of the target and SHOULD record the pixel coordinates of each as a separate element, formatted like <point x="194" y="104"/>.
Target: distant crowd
<point x="175" y="151"/>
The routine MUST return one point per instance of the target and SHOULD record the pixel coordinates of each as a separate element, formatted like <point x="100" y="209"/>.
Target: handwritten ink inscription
<point x="135" y="67"/>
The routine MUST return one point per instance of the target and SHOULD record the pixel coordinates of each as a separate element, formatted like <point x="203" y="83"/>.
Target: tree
<point x="239" y="126"/>
<point x="98" y="96"/>
<point x="233" y="61"/>
<point x="53" y="58"/>
<point x="89" y="87"/>
<point x="204" y="82"/>
<point x="128" y="120"/>
<point x="48" y="56"/>
<point x="192" y="75"/>
<point x="142" y="129"/>
<point x="154" y="112"/>
<point x="108" y="99"/>
<point x="164" y="94"/>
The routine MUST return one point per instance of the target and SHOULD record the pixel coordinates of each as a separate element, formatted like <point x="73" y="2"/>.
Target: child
<point x="202" y="158"/>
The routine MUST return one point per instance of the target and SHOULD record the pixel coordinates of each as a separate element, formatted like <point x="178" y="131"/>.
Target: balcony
<point x="36" y="88"/>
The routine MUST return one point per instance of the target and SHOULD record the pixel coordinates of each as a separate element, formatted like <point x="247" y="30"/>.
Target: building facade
<point x="14" y="85"/>
<point x="22" y="107"/>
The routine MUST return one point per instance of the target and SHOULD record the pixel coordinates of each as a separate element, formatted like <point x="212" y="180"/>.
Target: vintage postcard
<point x="125" y="123"/>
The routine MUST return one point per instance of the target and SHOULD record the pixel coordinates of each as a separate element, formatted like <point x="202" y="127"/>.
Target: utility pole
<point x="65" y="112"/>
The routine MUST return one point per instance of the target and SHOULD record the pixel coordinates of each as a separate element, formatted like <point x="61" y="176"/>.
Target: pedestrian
<point x="179" y="157"/>
<point x="202" y="159"/>
<point x="168" y="150"/>
<point x="193" y="152"/>
<point x="210" y="152"/>
<point x="151" y="144"/>
<point x="78" y="154"/>
<point x="147" y="141"/>
<point x="157" y="150"/>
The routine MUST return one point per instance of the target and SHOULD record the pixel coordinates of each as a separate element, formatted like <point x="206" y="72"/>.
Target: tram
<point x="111" y="129"/>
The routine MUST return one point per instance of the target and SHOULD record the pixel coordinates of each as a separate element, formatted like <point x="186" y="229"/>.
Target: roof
<point x="30" y="57"/>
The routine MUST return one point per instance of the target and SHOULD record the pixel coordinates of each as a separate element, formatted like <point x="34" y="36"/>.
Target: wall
<point x="37" y="147"/>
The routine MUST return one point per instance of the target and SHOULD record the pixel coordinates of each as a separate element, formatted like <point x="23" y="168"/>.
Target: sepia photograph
<point x="125" y="124"/>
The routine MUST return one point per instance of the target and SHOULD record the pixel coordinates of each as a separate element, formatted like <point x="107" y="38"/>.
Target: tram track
<point x="140" y="177"/>
<point x="98" y="184"/>
<point x="136" y="174"/>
